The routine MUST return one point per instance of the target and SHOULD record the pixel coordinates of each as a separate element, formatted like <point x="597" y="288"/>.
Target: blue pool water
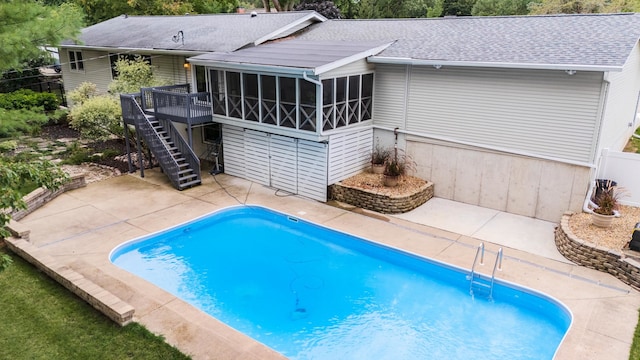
<point x="310" y="292"/>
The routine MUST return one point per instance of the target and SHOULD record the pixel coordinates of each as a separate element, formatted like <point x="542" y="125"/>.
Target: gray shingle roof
<point x="584" y="40"/>
<point x="317" y="56"/>
<point x="219" y="32"/>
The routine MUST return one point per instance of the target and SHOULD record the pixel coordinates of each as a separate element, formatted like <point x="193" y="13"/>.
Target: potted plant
<point x="395" y="167"/>
<point x="379" y="156"/>
<point x="606" y="202"/>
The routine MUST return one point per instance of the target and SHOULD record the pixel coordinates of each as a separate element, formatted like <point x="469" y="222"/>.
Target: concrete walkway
<point x="81" y="227"/>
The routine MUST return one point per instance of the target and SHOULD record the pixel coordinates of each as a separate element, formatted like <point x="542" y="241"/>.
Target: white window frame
<point x="76" y="65"/>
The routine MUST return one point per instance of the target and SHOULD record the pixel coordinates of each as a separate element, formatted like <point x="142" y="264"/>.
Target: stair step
<point x="481" y="284"/>
<point x="187" y="177"/>
<point x="181" y="172"/>
<point x="189" y="184"/>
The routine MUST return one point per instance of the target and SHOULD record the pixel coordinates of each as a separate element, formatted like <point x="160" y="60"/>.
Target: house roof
<point x="201" y="33"/>
<point x="572" y="42"/>
<point x="295" y="55"/>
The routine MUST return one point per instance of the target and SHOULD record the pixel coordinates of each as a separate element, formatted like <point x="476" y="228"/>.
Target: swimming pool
<point x="310" y="292"/>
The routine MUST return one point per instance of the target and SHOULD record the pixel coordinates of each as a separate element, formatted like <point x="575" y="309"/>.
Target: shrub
<point x="97" y="118"/>
<point x="8" y="145"/>
<point x="29" y="99"/>
<point x="83" y="92"/>
<point x="58" y="117"/>
<point x="18" y="122"/>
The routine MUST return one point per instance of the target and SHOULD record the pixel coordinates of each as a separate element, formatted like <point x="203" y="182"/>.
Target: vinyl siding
<point x="354" y="68"/>
<point x="170" y="68"/>
<point x="389" y="96"/>
<point x="620" y="108"/>
<point x="546" y="113"/>
<point x="96" y="70"/>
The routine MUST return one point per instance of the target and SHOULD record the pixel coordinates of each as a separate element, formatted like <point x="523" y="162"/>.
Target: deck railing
<point x="146" y="101"/>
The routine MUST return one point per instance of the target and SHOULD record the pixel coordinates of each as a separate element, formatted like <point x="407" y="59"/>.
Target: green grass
<point x="635" y="346"/>
<point x="39" y="319"/>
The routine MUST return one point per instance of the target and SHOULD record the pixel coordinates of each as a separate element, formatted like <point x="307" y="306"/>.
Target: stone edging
<point x="596" y="257"/>
<point x="101" y="299"/>
<point x="385" y="204"/>
<point x="40" y="196"/>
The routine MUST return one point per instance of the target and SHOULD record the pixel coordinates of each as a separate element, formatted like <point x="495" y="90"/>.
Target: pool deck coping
<point x="80" y="228"/>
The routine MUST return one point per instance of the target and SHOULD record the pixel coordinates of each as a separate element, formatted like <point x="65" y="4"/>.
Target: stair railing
<point x="158" y="148"/>
<point x="187" y="152"/>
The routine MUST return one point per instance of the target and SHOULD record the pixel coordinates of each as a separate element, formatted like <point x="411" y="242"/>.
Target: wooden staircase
<point x="175" y="156"/>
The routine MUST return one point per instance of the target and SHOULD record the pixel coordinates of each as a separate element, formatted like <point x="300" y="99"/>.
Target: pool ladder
<point x="479" y="284"/>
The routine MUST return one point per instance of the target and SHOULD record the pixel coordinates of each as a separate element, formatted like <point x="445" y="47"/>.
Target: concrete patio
<point x="81" y="227"/>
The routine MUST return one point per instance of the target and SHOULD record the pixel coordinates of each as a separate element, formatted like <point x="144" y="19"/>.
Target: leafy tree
<point x="15" y="174"/>
<point x="583" y="6"/>
<point x="99" y="116"/>
<point x="457" y="7"/>
<point x="26" y="26"/>
<point x="100" y="10"/>
<point x="325" y="8"/>
<point x="500" y="7"/>
<point x="133" y="75"/>
<point x="372" y="9"/>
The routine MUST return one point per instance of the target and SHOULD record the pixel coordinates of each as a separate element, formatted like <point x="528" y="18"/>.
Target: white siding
<point x="96" y="70"/>
<point x="547" y="113"/>
<point x="349" y="154"/>
<point x="170" y="68"/>
<point x="256" y="153"/>
<point x="354" y="68"/>
<point x="283" y="160"/>
<point x="620" y="108"/>
<point x="233" y="150"/>
<point x="294" y="165"/>
<point x="389" y="96"/>
<point x="312" y="170"/>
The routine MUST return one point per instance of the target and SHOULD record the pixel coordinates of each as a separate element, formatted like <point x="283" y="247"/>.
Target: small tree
<point x="325" y="8"/>
<point x="133" y="74"/>
<point x="15" y="174"/>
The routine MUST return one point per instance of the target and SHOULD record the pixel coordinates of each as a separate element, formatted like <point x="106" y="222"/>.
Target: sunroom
<point x="296" y="115"/>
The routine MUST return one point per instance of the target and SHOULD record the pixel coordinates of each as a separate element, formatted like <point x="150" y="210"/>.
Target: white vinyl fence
<point x="623" y="168"/>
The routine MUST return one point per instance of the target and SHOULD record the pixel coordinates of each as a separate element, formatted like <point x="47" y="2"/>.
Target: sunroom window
<point x="291" y="102"/>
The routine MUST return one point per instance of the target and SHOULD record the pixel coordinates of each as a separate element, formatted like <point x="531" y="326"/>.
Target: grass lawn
<point x="635" y="346"/>
<point x="40" y="319"/>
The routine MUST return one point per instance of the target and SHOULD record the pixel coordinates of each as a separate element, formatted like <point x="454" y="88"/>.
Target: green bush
<point x="29" y="99"/>
<point x="8" y="145"/>
<point x="97" y="118"/>
<point x="59" y="116"/>
<point x="19" y="122"/>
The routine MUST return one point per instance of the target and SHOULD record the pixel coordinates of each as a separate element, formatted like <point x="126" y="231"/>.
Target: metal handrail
<point x="496" y="265"/>
<point x="479" y="251"/>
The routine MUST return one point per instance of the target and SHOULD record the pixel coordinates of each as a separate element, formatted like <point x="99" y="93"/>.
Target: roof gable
<point x="200" y="33"/>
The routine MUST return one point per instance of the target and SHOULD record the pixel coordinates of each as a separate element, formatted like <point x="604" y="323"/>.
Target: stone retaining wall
<point x="40" y="196"/>
<point x="378" y="202"/>
<point x="101" y="299"/>
<point x="104" y="301"/>
<point x="596" y="257"/>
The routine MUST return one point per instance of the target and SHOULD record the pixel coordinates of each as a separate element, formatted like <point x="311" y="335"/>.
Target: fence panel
<point x="623" y="168"/>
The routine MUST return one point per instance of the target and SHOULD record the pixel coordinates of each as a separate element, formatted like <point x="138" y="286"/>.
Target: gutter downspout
<point x="587" y="205"/>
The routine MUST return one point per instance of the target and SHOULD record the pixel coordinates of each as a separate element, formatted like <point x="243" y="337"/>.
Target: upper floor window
<point x="75" y="60"/>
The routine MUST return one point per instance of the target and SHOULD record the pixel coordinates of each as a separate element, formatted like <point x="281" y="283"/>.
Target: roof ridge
<point x="214" y="14"/>
<point x="485" y="17"/>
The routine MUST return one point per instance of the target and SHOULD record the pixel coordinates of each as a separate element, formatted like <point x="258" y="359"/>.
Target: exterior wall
<point x="170" y="68"/>
<point x="520" y="185"/>
<point x="96" y="70"/>
<point x="356" y="67"/>
<point x="389" y="96"/>
<point x="619" y="119"/>
<point x="490" y="137"/>
<point x="547" y="113"/>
